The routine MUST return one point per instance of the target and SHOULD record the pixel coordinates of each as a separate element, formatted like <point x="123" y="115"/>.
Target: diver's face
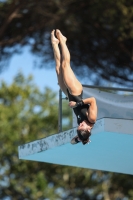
<point x="84" y="126"/>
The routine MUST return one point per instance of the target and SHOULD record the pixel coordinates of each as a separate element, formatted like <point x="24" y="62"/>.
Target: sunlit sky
<point x="43" y="77"/>
<point x="25" y="63"/>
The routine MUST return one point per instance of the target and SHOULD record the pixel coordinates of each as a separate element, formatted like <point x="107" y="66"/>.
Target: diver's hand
<point x="72" y="104"/>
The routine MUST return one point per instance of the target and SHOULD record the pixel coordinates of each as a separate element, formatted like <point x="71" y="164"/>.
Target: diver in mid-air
<point x="84" y="109"/>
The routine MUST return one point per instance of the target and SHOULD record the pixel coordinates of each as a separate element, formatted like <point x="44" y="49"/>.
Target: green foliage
<point x="27" y="114"/>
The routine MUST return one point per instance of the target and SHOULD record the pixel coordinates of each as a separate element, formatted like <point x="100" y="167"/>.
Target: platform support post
<point x="60" y="112"/>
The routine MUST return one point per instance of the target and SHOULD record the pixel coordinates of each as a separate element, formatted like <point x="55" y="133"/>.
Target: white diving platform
<point x="111" y="148"/>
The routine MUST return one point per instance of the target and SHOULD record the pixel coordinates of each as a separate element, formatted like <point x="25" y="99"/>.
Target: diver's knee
<point x="65" y="63"/>
<point x="58" y="70"/>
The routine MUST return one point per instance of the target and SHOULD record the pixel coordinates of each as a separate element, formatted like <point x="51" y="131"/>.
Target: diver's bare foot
<point x="54" y="40"/>
<point x="60" y="37"/>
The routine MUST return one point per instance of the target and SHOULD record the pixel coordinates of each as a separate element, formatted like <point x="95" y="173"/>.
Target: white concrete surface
<point x="111" y="148"/>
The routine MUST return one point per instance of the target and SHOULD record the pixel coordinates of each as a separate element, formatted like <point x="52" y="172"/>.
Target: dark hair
<point x="84" y="136"/>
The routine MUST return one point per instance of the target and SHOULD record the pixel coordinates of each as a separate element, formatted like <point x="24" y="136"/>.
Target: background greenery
<point x="100" y="38"/>
<point x="27" y="114"/>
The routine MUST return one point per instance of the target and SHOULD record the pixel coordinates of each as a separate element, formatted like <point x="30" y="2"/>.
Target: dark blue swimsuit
<point x="80" y="112"/>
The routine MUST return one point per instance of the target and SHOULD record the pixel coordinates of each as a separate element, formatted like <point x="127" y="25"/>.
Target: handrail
<point x="108" y="88"/>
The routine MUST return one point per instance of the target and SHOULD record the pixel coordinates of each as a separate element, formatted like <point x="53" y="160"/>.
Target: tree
<point x="25" y="113"/>
<point x="99" y="34"/>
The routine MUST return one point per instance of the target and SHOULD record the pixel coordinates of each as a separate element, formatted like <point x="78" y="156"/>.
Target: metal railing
<point x="108" y="88"/>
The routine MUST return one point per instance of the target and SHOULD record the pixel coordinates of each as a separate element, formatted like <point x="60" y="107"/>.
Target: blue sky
<point x="43" y="77"/>
<point x="24" y="63"/>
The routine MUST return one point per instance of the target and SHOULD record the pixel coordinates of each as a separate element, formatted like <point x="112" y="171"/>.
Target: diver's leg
<point x="57" y="56"/>
<point x="69" y="77"/>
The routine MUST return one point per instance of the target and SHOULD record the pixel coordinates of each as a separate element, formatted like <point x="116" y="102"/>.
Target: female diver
<point x="84" y="109"/>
